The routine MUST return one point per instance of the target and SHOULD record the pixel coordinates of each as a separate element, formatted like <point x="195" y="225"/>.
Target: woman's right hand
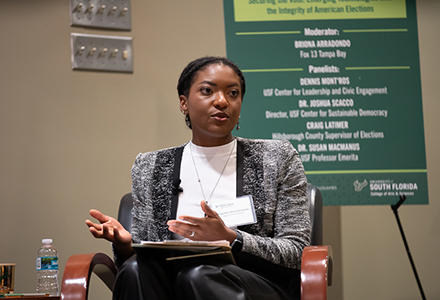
<point x="110" y="229"/>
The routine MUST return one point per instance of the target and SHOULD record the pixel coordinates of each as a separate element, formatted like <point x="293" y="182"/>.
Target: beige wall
<point x="68" y="139"/>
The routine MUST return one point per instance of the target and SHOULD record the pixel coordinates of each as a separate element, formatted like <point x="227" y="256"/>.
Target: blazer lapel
<point x="239" y="171"/>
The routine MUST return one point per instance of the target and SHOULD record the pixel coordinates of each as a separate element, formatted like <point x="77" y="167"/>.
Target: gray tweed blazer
<point x="269" y="170"/>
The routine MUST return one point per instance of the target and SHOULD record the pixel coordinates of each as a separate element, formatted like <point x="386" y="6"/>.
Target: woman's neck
<point x="212" y="142"/>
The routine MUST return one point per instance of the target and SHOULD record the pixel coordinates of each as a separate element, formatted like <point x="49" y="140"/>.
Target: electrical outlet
<point x="101" y="52"/>
<point x="113" y="14"/>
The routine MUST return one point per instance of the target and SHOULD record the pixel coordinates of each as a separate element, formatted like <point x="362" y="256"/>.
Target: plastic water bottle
<point x="47" y="269"/>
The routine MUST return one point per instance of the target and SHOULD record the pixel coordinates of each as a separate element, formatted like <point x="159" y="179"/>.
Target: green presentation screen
<point x="339" y="79"/>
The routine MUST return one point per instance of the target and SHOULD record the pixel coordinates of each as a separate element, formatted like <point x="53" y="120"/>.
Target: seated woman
<point x="214" y="167"/>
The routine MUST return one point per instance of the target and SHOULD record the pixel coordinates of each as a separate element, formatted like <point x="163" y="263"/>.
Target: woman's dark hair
<point x="188" y="75"/>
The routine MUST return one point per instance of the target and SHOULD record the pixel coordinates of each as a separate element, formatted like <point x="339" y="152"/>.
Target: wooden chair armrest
<point x="77" y="272"/>
<point x="316" y="272"/>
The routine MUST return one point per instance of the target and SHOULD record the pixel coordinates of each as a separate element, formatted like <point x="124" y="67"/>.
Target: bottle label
<point x="47" y="263"/>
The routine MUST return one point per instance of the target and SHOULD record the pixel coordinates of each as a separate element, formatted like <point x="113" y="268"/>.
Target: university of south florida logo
<point x="358" y="186"/>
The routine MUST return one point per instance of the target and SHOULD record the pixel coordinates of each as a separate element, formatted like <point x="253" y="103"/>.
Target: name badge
<point x="236" y="212"/>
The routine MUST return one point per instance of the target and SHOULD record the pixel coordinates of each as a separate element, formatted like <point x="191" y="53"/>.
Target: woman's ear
<point x="183" y="106"/>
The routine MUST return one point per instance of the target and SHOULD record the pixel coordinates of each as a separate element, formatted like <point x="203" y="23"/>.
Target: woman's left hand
<point x="209" y="228"/>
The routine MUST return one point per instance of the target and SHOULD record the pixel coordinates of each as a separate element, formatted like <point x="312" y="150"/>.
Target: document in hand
<point x="175" y="249"/>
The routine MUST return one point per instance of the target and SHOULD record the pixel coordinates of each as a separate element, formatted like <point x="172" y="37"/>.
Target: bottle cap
<point x="47" y="241"/>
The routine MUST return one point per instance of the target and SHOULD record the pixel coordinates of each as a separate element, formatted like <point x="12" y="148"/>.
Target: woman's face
<point x="213" y="105"/>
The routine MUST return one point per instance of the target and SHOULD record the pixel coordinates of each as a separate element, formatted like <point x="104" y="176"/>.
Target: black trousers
<point x="191" y="279"/>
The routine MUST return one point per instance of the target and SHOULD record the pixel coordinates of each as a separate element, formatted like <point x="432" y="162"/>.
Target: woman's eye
<point x="206" y="90"/>
<point x="235" y="93"/>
